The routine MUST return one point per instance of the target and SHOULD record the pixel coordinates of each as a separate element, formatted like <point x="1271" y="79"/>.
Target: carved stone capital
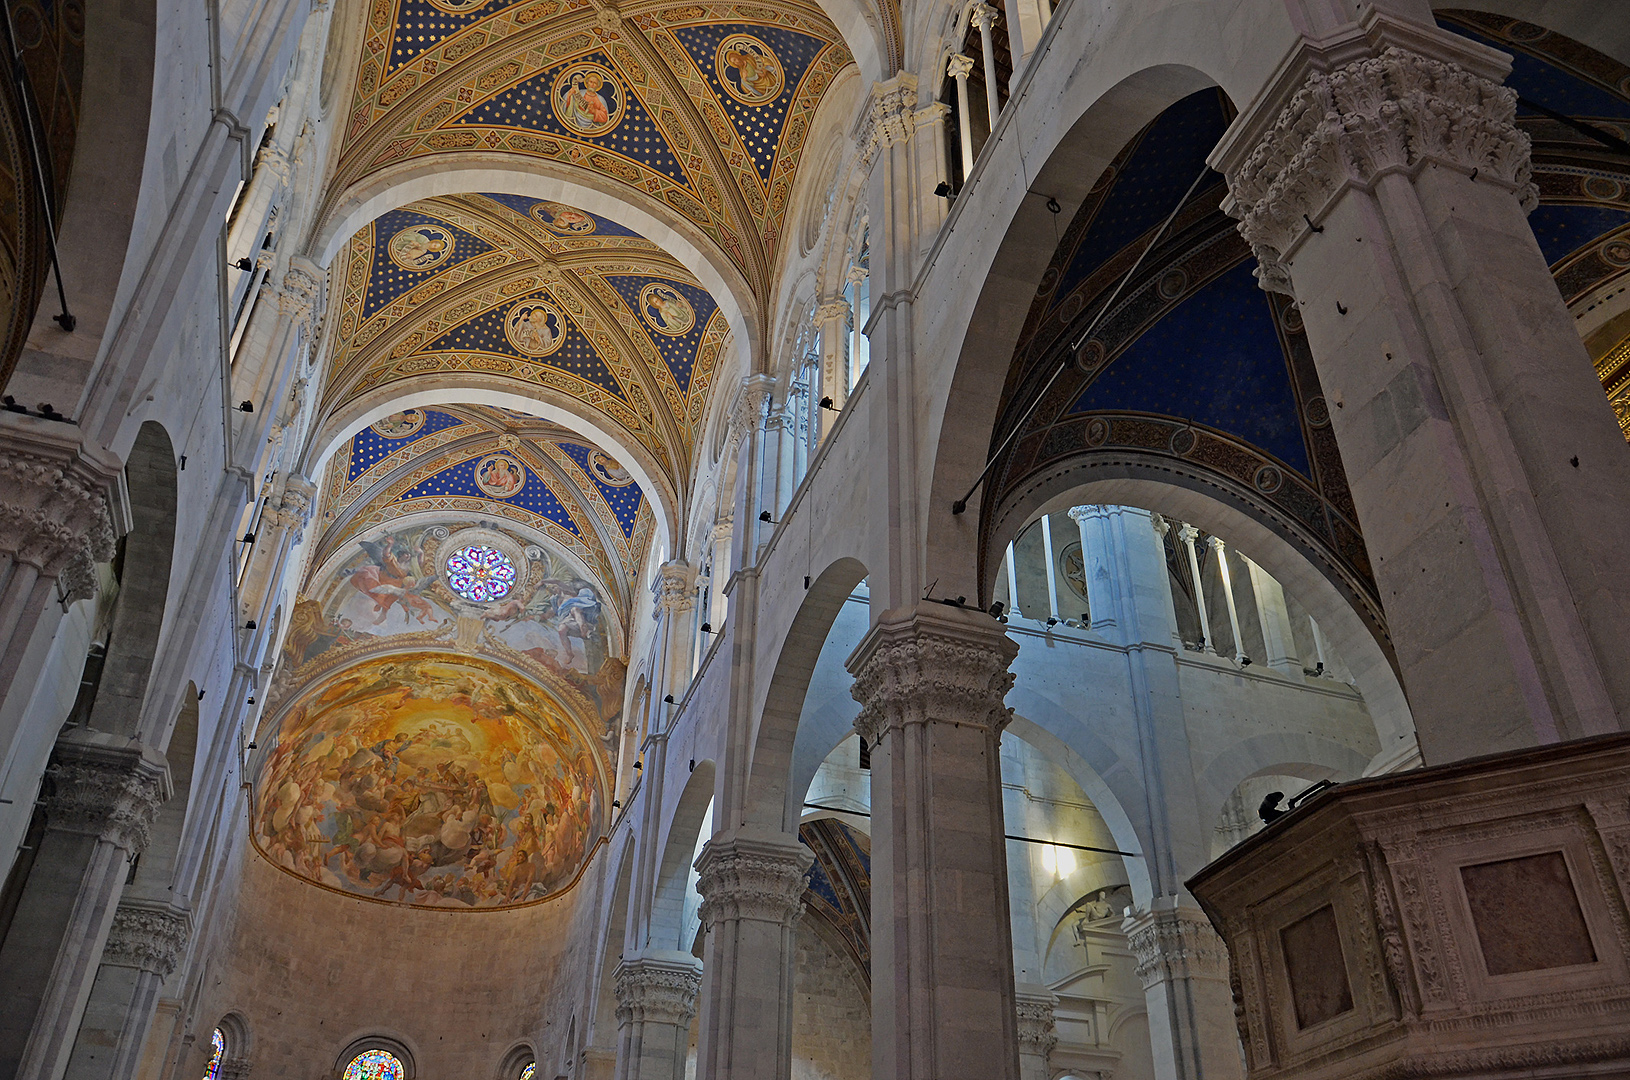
<point x="301" y="295"/>
<point x="150" y="937"/>
<point x="676" y="587"/>
<point x="291" y="508"/>
<point x="1037" y="1029"/>
<point x="658" y="989"/>
<point x="748" y="412"/>
<point x="1394" y="111"/>
<point x="959" y="66"/>
<point x="103" y="786"/>
<point x="1175" y="944"/>
<point x="832" y="309"/>
<point x="53" y="497"/>
<point x="752" y="877"/>
<point x="983" y="17"/>
<point x="889" y="121"/>
<point x="940" y="664"/>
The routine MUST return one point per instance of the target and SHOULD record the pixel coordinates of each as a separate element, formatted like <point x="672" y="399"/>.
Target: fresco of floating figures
<point x="475" y="588"/>
<point x="433" y="780"/>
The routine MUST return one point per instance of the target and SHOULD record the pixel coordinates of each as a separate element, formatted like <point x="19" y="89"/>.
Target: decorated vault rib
<point x="721" y="96"/>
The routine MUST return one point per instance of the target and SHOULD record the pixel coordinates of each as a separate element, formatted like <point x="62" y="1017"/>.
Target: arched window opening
<point x="374" y="1065"/>
<point x="217" y="1043"/>
<point x="530" y="1071"/>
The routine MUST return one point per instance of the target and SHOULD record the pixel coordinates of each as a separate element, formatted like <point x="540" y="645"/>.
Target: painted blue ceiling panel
<point x="1547" y="84"/>
<point x="460" y="480"/>
<point x="1562" y="230"/>
<point x="622" y="492"/>
<point x="754" y="71"/>
<point x="1215" y="359"/>
<point x="369" y="447"/>
<point x="546" y="213"/>
<point x="410" y="248"/>
<point x="421" y="25"/>
<point x="652" y="299"/>
<point x="487" y="333"/>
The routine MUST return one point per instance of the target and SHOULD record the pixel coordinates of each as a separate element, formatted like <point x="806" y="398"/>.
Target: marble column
<point x="959" y="67"/>
<point x="1037" y="1034"/>
<point x="145" y="943"/>
<point x="1188" y="534"/>
<point x="1097" y="563"/>
<point x="984" y="17"/>
<point x="104" y="792"/>
<point x="1382" y="181"/>
<point x="656" y="998"/>
<point x="1277" y="638"/>
<point x="931" y="683"/>
<point x="752" y="882"/>
<point x="1183" y="966"/>
<point x="1221" y="553"/>
<point x="832" y="319"/>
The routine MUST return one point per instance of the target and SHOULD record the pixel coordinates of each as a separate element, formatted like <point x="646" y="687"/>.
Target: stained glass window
<point x="530" y="1070"/>
<point x="374" y="1065"/>
<point x="480" y="573"/>
<point x="217" y="1046"/>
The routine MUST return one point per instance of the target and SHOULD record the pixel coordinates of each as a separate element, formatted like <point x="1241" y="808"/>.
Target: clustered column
<point x="931" y="687"/>
<point x="1183" y="965"/>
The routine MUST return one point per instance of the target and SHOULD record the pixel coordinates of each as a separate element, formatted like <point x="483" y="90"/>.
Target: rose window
<point x="480" y="573"/>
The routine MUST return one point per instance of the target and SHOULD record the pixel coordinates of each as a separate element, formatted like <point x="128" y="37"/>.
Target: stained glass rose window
<point x="480" y="573"/>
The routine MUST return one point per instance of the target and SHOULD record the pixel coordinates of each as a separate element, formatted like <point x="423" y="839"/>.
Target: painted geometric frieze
<point x="703" y="108"/>
<point x="545" y="296"/>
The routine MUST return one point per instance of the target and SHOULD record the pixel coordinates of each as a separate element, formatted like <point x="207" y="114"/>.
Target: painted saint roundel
<point x="588" y="99"/>
<point x="748" y="69"/>
<point x="562" y="219"/>
<point x="480" y="573"/>
<point x="421" y="247"/>
<point x="535" y="328"/>
<point x="665" y="310"/>
<point x="400" y="425"/>
<point x="500" y="476"/>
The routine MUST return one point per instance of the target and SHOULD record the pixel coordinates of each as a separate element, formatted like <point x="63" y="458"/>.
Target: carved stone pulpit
<point x="1464" y="920"/>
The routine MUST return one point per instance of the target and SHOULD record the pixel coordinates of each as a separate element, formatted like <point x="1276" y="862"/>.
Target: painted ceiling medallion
<point x="588" y="99"/>
<point x="748" y="69"/>
<point x="535" y="328"/>
<point x="608" y="470"/>
<point x="480" y="573"/>
<point x="400" y="425"/>
<point x="563" y="219"/>
<point x="421" y="247"/>
<point x="500" y="476"/>
<point x="666" y="310"/>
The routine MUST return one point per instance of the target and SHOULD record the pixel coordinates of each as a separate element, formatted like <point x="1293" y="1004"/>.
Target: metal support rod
<point x="25" y="101"/>
<point x="1005" y="836"/>
<point x="1018" y="425"/>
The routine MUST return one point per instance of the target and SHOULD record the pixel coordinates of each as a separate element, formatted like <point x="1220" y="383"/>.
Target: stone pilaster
<point x="931" y="687"/>
<point x="1037" y="1034"/>
<point x="752" y="883"/>
<point x="656" y="999"/>
<point x="1382" y="181"/>
<point x="1183" y="966"/>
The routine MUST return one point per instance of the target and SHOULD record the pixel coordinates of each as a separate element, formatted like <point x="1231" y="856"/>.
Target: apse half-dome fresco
<point x="434" y="780"/>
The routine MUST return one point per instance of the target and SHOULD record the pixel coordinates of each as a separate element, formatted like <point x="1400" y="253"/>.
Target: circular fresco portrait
<point x="666" y="310"/>
<point x="748" y="69"/>
<point x="608" y="470"/>
<point x="421" y="247"/>
<point x="535" y="328"/>
<point x="500" y="476"/>
<point x="588" y="99"/>
<point x="400" y="425"/>
<point x="430" y="780"/>
<point x="563" y="219"/>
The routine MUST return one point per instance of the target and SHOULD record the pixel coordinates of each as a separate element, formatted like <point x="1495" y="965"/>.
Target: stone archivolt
<point x="1395" y="112"/>
<point x="931" y="668"/>
<point x="746" y="879"/>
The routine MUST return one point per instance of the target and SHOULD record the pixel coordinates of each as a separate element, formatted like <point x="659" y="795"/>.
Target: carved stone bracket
<point x="941" y="663"/>
<point x="102" y="786"/>
<point x="748" y="877"/>
<point x="1037" y="1029"/>
<point x="53" y="499"/>
<point x="657" y="989"/>
<point x="1175" y="944"/>
<point x="676" y="585"/>
<point x="151" y="937"/>
<point x="301" y="295"/>
<point x="1349" y="125"/>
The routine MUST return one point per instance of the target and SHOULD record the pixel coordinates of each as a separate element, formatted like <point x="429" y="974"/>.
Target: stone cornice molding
<point x="1037" y="1027"/>
<point x="150" y="937"/>
<point x="752" y="877"/>
<point x="1388" y="98"/>
<point x="1175" y="944"/>
<point x="657" y="989"/>
<point x="107" y="787"/>
<point x="54" y="507"/>
<point x="938" y="663"/>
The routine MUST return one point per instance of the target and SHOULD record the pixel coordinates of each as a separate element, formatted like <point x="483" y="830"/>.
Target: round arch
<point x="667" y="929"/>
<point x="473" y="389"/>
<point x="456" y="173"/>
<point x="394" y="1044"/>
<point x="1308" y="756"/>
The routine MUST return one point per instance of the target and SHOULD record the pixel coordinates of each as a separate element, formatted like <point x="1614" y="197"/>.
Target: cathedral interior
<point x="815" y="540"/>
